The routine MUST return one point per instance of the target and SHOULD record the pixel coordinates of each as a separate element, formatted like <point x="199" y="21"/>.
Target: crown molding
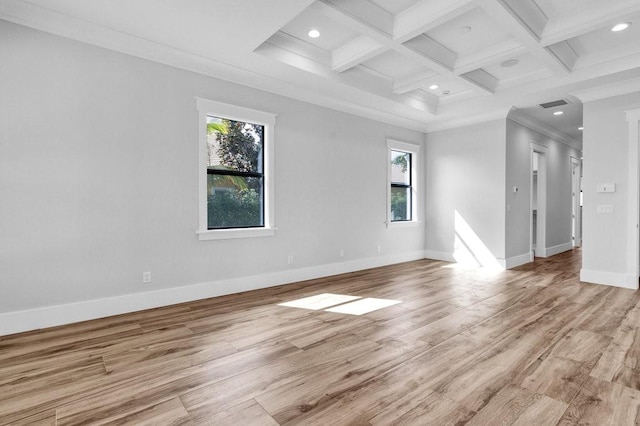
<point x="539" y="127"/>
<point x="454" y="123"/>
<point x="38" y="18"/>
<point x="608" y="90"/>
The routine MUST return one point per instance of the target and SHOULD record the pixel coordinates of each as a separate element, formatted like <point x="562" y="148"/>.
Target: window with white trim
<point x="235" y="173"/>
<point x="402" y="182"/>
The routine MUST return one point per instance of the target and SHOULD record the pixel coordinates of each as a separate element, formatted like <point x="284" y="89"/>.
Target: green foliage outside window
<point x="235" y="200"/>
<point x="400" y="186"/>
<point x="235" y="208"/>
<point x="399" y="205"/>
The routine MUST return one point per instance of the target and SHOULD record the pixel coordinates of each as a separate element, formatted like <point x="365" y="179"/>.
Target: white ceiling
<point x="377" y="58"/>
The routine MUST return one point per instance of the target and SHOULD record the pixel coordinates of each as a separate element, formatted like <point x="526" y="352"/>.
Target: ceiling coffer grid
<point x="432" y="49"/>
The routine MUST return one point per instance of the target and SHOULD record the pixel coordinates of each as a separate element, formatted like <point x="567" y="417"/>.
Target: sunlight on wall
<point x="463" y="255"/>
<point x="469" y="250"/>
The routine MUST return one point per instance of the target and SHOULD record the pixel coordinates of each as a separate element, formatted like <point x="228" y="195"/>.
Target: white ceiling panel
<point x="555" y="8"/>
<point x="468" y="32"/>
<point x="452" y="85"/>
<point x="395" y="6"/>
<point x="604" y="39"/>
<point x="392" y="64"/>
<point x="332" y="33"/>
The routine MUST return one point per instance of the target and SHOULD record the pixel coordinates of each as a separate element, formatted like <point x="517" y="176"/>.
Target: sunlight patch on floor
<point x="320" y="301"/>
<point x="340" y="303"/>
<point x="363" y="306"/>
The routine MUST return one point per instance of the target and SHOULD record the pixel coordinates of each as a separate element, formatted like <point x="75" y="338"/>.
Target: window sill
<point x="407" y="224"/>
<point x="226" y="234"/>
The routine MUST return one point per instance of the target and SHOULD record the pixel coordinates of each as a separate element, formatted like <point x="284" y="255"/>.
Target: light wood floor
<point x="527" y="346"/>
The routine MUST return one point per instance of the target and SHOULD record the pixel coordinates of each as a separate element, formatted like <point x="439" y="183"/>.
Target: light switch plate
<point x="605" y="209"/>
<point x="606" y="187"/>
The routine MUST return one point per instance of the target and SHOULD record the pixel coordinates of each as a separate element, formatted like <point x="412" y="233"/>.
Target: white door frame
<point x="576" y="226"/>
<point x="633" y="208"/>
<point x="541" y="228"/>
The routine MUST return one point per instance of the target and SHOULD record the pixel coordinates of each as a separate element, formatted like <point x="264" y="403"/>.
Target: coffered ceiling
<point x="423" y="64"/>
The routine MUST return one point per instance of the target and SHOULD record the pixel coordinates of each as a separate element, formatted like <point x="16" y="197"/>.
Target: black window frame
<point x="261" y="175"/>
<point x="408" y="186"/>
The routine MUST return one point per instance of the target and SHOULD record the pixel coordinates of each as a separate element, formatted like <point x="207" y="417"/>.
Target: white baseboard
<point x="560" y="248"/>
<point x="521" y="259"/>
<point x="439" y="255"/>
<point x="609" y="278"/>
<point x="50" y="316"/>
<point x="511" y="262"/>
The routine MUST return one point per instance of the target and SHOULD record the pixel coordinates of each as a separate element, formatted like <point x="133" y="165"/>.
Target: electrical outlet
<point x="146" y="277"/>
<point x="290" y="260"/>
<point x="341" y="252"/>
<point x="379" y="248"/>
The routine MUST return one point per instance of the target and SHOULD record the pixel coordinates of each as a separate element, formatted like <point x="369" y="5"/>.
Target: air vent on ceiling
<point x="554" y="104"/>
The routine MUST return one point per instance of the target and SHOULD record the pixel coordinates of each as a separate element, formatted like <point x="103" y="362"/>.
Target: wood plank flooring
<point x="528" y="346"/>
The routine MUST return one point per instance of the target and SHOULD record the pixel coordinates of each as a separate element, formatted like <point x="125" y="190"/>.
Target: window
<point x="235" y="182"/>
<point x="402" y="194"/>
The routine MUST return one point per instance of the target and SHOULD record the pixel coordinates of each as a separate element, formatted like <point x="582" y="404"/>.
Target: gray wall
<point x="518" y="161"/>
<point x="605" y="161"/>
<point x="98" y="178"/>
<point x="466" y="173"/>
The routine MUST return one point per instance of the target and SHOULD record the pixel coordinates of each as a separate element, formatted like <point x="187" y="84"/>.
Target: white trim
<point x="403" y="224"/>
<point x="608" y="90"/>
<point x="235" y="112"/>
<point x="439" y="255"/>
<point x="633" y="199"/>
<point x="50" y="316"/>
<point x="207" y="107"/>
<point x="560" y="248"/>
<point x="468" y="120"/>
<point x="511" y="262"/>
<point x="539" y="127"/>
<point x="518" y="260"/>
<point x="416" y="198"/>
<point x="609" y="278"/>
<point x="541" y="228"/>
<point x="576" y="183"/>
<point x="226" y="234"/>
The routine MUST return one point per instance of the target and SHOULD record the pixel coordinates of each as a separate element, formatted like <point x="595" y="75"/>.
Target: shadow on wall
<point x="469" y="250"/>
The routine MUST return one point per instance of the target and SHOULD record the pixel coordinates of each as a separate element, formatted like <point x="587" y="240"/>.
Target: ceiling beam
<point x="423" y="50"/>
<point x="494" y="53"/>
<point x="355" y="52"/>
<point x="526" y="25"/>
<point x="481" y="78"/>
<point x="440" y="68"/>
<point x="426" y="16"/>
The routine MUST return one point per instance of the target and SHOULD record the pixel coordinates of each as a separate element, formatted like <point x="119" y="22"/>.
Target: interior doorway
<point x="538" y="202"/>
<point x="576" y="202"/>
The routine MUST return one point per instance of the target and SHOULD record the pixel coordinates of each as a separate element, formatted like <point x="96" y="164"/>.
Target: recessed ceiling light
<point x="558" y="113"/>
<point x="580" y="128"/>
<point x="621" y="26"/>
<point x="433" y="87"/>
<point x="465" y="29"/>
<point x="313" y="33"/>
<point x="510" y="63"/>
